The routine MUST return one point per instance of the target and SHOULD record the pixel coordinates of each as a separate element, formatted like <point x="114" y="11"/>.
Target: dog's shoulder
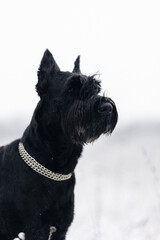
<point x="11" y="146"/>
<point x="8" y="152"/>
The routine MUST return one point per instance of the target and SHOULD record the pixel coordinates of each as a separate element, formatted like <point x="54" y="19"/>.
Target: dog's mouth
<point x="99" y="118"/>
<point x="81" y="132"/>
<point x="90" y="134"/>
<point x="83" y="139"/>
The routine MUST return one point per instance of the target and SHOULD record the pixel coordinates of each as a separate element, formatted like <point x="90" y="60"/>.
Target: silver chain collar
<point x="31" y="162"/>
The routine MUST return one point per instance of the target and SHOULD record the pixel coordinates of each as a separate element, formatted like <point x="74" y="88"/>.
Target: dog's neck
<point x="51" y="148"/>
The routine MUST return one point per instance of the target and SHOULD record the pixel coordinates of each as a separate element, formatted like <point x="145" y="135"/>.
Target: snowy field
<point x="117" y="193"/>
<point x="118" y="187"/>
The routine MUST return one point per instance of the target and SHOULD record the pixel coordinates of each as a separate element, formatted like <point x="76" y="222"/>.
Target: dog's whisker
<point x="104" y="94"/>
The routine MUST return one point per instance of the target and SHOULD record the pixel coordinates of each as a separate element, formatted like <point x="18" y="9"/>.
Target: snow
<point x="117" y="194"/>
<point x="118" y="187"/>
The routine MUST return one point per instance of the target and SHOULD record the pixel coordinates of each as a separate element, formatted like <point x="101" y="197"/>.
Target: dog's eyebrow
<point x="94" y="81"/>
<point x="75" y="79"/>
<point x="95" y="77"/>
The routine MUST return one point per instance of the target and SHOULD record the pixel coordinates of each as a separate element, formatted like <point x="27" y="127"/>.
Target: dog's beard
<point x="83" y="137"/>
<point x="91" y="132"/>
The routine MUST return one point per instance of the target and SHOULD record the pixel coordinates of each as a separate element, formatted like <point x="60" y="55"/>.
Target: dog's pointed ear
<point x="77" y="65"/>
<point x="47" y="65"/>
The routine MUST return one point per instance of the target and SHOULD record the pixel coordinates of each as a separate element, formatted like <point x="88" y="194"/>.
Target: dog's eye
<point x="70" y="90"/>
<point x="96" y="90"/>
<point x="74" y="86"/>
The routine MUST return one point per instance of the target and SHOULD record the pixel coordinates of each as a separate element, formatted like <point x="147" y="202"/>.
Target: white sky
<point x="120" y="39"/>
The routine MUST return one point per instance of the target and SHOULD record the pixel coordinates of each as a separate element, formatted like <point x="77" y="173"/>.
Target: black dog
<point x="37" y="193"/>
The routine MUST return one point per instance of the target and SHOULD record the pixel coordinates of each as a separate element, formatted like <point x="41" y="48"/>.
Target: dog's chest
<point x="51" y="205"/>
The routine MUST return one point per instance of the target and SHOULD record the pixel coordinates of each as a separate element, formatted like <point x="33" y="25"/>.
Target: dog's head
<point x="71" y="102"/>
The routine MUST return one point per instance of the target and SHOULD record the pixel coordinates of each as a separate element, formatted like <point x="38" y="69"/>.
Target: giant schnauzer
<point x="37" y="171"/>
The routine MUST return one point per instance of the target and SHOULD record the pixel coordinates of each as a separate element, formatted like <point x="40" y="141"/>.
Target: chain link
<point x="31" y="162"/>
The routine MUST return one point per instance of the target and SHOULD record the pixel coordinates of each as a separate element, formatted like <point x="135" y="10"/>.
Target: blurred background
<point x="118" y="183"/>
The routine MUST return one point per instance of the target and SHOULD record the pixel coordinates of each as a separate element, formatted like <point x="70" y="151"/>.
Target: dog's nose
<point x="105" y="107"/>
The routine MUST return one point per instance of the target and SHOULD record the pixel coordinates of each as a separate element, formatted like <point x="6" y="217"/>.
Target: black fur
<point x="69" y="114"/>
